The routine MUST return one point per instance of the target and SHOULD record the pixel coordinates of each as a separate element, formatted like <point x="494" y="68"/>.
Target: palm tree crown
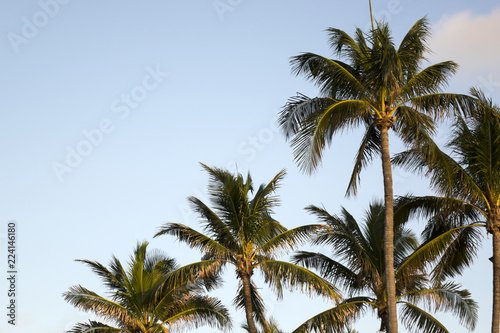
<point x="377" y="85"/>
<point x="240" y="231"/>
<point x="153" y="295"/>
<point x="358" y="264"/>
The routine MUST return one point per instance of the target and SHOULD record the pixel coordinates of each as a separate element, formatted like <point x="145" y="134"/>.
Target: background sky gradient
<point x="109" y="106"/>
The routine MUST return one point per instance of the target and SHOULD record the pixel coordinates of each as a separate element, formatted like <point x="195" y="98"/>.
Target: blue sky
<point x="108" y="107"/>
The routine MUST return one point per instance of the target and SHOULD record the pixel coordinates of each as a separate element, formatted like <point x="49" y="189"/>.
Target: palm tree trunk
<point x="248" y="303"/>
<point x="388" y="230"/>
<point x="495" y="230"/>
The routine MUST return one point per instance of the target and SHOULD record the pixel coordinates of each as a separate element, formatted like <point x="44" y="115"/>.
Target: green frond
<point x="89" y="301"/>
<point x="476" y="144"/>
<point x="112" y="279"/>
<point x="318" y="131"/>
<point x="201" y="274"/>
<point x="413" y="46"/>
<point x="414" y="128"/>
<point x="446" y="175"/>
<point x="451" y="298"/>
<point x="341" y="42"/>
<point x="301" y="109"/>
<point x="460" y="253"/>
<point x="290" y="239"/>
<point x="337" y="318"/>
<point x="368" y="150"/>
<point x="212" y="223"/>
<point x="198" y="311"/>
<point x="264" y="199"/>
<point x="281" y="274"/>
<point x="95" y="327"/>
<point x="334" y="78"/>
<point x="445" y="105"/>
<point x="431" y="80"/>
<point x="450" y="250"/>
<point x="416" y="320"/>
<point x="347" y="240"/>
<point x="330" y="270"/>
<point x="194" y="239"/>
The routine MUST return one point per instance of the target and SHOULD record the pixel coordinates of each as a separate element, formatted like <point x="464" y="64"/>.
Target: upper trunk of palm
<point x="245" y="272"/>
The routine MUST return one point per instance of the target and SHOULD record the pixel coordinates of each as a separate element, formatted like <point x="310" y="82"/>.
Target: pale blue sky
<point x="146" y="90"/>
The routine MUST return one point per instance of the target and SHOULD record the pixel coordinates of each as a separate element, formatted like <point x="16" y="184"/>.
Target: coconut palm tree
<point x="468" y="180"/>
<point x="152" y="295"/>
<point x="378" y="85"/>
<point x="241" y="232"/>
<point x="357" y="263"/>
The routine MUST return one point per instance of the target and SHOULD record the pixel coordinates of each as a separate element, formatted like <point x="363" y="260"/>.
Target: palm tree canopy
<point x="357" y="263"/>
<point x="468" y="178"/>
<point x="239" y="230"/>
<point x="153" y="294"/>
<point x="373" y="83"/>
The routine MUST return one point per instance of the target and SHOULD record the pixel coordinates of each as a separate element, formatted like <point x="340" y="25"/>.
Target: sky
<point x="108" y="107"/>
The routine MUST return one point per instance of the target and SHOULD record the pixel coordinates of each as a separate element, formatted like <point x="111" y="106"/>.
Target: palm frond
<point x="213" y="224"/>
<point x="194" y="239"/>
<point x="448" y="250"/>
<point x="280" y="274"/>
<point x="416" y="320"/>
<point x="95" y="327"/>
<point x="197" y="311"/>
<point x="445" y="105"/>
<point x="318" y="131"/>
<point x="334" y="78"/>
<point x="290" y="239"/>
<point x="413" y="127"/>
<point x="89" y="301"/>
<point x="299" y="110"/>
<point x="330" y="270"/>
<point x="110" y="278"/>
<point x="413" y="47"/>
<point x="451" y="298"/>
<point x="337" y="318"/>
<point x="368" y="150"/>
<point x="430" y="80"/>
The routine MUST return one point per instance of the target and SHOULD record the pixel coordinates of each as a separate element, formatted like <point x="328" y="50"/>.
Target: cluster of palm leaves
<point x="376" y="266"/>
<point x="152" y="295"/>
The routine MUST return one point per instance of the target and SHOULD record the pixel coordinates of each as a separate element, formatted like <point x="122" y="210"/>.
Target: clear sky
<point x="108" y="106"/>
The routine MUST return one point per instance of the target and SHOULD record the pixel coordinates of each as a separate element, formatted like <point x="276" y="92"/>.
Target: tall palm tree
<point x="357" y="264"/>
<point x="240" y="231"/>
<point x="468" y="180"/>
<point x="152" y="295"/>
<point x="380" y="86"/>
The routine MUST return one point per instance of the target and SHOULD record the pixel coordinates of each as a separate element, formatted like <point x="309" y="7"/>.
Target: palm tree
<point x="357" y="264"/>
<point x="240" y="231"/>
<point x="153" y="295"/>
<point x="468" y="180"/>
<point x="377" y="85"/>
